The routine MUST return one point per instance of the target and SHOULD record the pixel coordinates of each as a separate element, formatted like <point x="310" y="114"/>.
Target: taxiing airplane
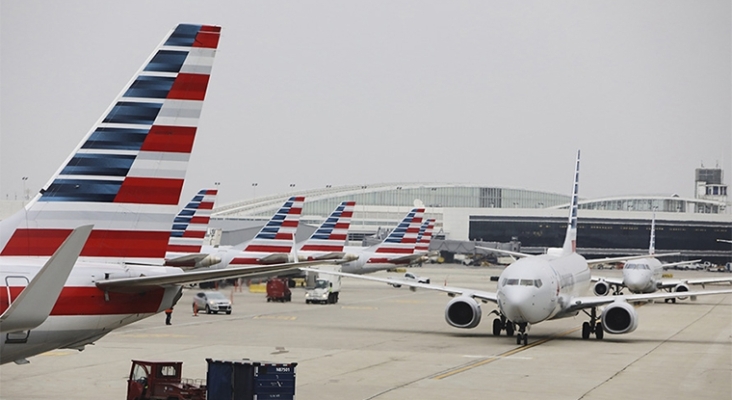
<point x="538" y="288"/>
<point x="645" y="275"/>
<point x="124" y="178"/>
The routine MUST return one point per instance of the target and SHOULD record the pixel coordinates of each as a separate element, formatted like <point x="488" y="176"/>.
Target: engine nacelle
<point x="681" y="287"/>
<point x="619" y="317"/>
<point x="601" y="288"/>
<point x="463" y="312"/>
<point x="208" y="261"/>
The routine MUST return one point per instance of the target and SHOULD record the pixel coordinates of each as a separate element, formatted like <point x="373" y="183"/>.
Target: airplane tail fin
<point x="570" y="240"/>
<point x="278" y="235"/>
<point x="425" y="236"/>
<point x="191" y="224"/>
<point x="125" y="176"/>
<point x="332" y="234"/>
<point x="652" y="245"/>
<point x="403" y="238"/>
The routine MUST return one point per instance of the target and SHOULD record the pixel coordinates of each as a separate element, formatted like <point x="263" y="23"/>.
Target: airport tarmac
<point x="385" y="343"/>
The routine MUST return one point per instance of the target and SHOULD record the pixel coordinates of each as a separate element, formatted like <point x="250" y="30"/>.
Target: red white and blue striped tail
<point x="425" y="236"/>
<point x="191" y="224"/>
<point x="278" y="235"/>
<point x="126" y="175"/>
<point x="404" y="237"/>
<point x="332" y="234"/>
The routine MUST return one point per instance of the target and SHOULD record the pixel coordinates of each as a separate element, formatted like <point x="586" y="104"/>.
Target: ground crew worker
<point x="195" y="308"/>
<point x="168" y="315"/>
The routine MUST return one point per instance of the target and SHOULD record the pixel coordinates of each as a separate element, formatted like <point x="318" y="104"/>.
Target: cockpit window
<point x="637" y="266"/>
<point x="521" y="282"/>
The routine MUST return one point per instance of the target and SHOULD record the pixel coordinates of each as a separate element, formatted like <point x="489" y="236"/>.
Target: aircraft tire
<point x="509" y="328"/>
<point x="497" y="327"/>
<point x="585" y="330"/>
<point x="599" y="333"/>
<point x="526" y="338"/>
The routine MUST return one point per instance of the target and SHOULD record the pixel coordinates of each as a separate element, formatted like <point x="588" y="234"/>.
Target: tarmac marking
<point x="359" y="308"/>
<point x="277" y="317"/>
<point x="57" y="353"/>
<point x="154" y="335"/>
<point x="501" y="356"/>
<point x="408" y="301"/>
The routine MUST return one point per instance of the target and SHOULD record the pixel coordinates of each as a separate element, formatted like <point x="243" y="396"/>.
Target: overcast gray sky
<point x="331" y="93"/>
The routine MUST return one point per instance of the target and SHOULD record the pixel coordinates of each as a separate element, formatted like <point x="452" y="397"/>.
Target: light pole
<point x="25" y="191"/>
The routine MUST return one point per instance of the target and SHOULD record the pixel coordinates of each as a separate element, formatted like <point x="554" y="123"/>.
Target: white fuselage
<point x="642" y="275"/>
<point x="83" y="313"/>
<point x="368" y="261"/>
<point x="535" y="289"/>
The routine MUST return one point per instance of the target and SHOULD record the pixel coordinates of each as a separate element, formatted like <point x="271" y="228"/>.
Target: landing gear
<point x="593" y="326"/>
<point x="671" y="300"/>
<point x="502" y="323"/>
<point x="522" y="336"/>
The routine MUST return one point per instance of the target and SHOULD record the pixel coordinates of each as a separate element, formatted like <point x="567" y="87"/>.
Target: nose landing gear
<point x="522" y="336"/>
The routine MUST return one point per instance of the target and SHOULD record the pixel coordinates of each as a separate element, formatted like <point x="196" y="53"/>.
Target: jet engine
<point x="619" y="317"/>
<point x="463" y="312"/>
<point x="208" y="261"/>
<point x="601" y="288"/>
<point x="681" y="287"/>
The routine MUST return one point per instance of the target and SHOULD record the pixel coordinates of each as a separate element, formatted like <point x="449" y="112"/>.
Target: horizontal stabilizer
<point x="507" y="252"/>
<point x="34" y="304"/>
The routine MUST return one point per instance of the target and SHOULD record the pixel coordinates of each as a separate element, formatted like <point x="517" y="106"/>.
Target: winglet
<point x="34" y="304"/>
<point x="570" y="241"/>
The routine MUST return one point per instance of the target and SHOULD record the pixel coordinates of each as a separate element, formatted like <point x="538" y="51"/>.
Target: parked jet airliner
<point x="534" y="289"/>
<point x="125" y="179"/>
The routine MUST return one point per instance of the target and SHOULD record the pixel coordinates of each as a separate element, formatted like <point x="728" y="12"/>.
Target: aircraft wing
<point x="609" y="280"/>
<point x="671" y="283"/>
<point x="452" y="291"/>
<point x="626" y="258"/>
<point x="680" y="263"/>
<point x="508" y="252"/>
<point x="580" y="303"/>
<point x="34" y="304"/>
<point x="142" y="283"/>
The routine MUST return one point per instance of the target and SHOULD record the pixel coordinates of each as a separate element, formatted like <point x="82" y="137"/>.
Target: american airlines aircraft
<point x="124" y="178"/>
<point x="185" y="248"/>
<point x="544" y="287"/>
<point x="645" y="275"/>
<point x="397" y="249"/>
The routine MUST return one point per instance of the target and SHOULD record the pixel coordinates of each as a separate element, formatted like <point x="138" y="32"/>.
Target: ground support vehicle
<point x="153" y="380"/>
<point x="326" y="287"/>
<point x="278" y="289"/>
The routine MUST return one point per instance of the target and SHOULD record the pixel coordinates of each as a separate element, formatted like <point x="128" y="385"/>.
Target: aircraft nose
<point x="523" y="305"/>
<point x="636" y="280"/>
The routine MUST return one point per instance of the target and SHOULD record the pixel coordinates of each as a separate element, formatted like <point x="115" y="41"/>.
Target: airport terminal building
<point x="607" y="226"/>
